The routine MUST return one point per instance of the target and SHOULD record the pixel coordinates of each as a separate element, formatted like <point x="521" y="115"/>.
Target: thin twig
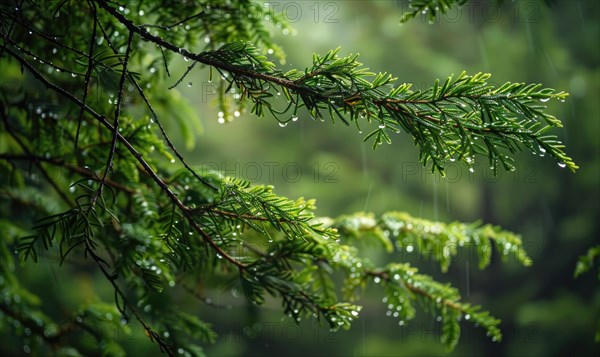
<point x="88" y="72"/>
<point x="61" y="163"/>
<point x="113" y="145"/>
<point x="24" y="147"/>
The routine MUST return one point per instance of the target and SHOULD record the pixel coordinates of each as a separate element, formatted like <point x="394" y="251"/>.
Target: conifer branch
<point x="436" y="240"/>
<point x="445" y="121"/>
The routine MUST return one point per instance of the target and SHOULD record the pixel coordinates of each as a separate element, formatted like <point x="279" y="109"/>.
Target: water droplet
<point x="172" y="161"/>
<point x="54" y="50"/>
<point x="283" y="125"/>
<point x="294" y="118"/>
<point x="544" y="99"/>
<point x="410" y="248"/>
<point x="141" y="13"/>
<point x="401" y="323"/>
<point x="381" y="126"/>
<point x="562" y="164"/>
<point x="220" y="114"/>
<point x="471" y="169"/>
<point x="186" y="59"/>
<point x="270" y="51"/>
<point x="467" y="316"/>
<point x="236" y="114"/>
<point x="377" y="280"/>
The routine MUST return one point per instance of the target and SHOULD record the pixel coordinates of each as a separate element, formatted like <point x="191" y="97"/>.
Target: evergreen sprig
<point x="440" y="241"/>
<point x="453" y="120"/>
<point x="404" y="285"/>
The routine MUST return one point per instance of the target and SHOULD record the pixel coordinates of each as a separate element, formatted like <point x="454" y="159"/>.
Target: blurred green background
<point x="544" y="311"/>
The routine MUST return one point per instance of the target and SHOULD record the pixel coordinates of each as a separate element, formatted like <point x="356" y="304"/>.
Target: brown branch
<point x="113" y="145"/>
<point x="202" y="57"/>
<point x="61" y="163"/>
<point x="24" y="147"/>
<point x="52" y="340"/>
<point x="88" y="72"/>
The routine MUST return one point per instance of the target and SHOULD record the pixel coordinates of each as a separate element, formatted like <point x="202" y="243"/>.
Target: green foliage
<point x="111" y="193"/>
<point x="584" y="264"/>
<point x="429" y="8"/>
<point x="453" y="120"/>
<point x="434" y="239"/>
